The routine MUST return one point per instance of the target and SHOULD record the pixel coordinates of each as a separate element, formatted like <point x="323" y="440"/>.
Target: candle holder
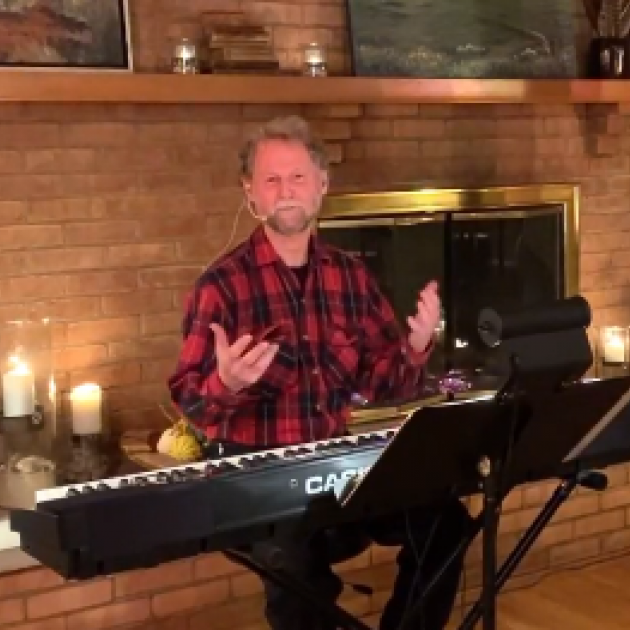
<point x="84" y="448"/>
<point x="28" y="419"/>
<point x="185" y="59"/>
<point x="314" y="64"/>
<point x="613" y="351"/>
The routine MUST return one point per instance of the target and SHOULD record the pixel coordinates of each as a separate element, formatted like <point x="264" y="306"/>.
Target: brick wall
<point x="108" y="213"/>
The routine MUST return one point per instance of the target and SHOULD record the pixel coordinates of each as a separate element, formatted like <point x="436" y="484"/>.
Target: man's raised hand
<point x="241" y="365"/>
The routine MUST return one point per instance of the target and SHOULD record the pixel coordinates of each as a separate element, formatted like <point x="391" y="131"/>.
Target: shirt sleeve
<point x="195" y="386"/>
<point x="391" y="368"/>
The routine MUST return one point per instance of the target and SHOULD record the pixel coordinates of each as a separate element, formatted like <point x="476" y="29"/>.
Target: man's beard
<point x="298" y="222"/>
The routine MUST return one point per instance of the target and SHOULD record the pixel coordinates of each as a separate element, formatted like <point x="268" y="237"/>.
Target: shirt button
<point x="305" y="337"/>
<point x="315" y="372"/>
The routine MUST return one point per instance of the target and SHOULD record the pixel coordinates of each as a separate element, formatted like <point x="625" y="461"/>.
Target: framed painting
<point x="464" y="38"/>
<point x="65" y="34"/>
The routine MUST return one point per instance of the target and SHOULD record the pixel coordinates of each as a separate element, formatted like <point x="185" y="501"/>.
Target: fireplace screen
<point x="502" y="248"/>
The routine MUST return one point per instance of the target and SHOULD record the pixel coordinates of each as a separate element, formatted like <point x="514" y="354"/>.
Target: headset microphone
<point x="255" y="214"/>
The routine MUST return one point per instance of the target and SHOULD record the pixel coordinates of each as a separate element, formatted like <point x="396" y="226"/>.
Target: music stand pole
<point x="490" y="474"/>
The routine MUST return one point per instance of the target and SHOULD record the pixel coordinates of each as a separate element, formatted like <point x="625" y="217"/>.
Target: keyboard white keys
<point x="202" y="469"/>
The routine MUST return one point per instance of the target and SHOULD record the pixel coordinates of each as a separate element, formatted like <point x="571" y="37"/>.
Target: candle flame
<point x="85" y="390"/>
<point x="17" y="365"/>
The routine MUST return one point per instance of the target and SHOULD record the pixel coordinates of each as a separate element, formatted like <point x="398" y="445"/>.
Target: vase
<point x="608" y="58"/>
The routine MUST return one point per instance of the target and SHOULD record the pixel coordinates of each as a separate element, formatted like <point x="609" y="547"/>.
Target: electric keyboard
<point x="97" y="528"/>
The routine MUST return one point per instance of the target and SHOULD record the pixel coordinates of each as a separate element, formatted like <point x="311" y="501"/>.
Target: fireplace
<point x="506" y="247"/>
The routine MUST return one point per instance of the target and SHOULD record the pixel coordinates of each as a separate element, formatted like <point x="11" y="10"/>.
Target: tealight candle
<point x="314" y="61"/>
<point x="86" y="402"/>
<point x="18" y="390"/>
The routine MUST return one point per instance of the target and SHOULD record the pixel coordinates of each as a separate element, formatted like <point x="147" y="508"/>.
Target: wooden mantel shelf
<point x="123" y="87"/>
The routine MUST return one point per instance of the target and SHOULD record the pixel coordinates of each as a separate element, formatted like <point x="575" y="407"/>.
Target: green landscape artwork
<point x="464" y="38"/>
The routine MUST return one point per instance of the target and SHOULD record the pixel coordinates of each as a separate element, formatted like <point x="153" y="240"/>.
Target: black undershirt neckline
<point x="301" y="273"/>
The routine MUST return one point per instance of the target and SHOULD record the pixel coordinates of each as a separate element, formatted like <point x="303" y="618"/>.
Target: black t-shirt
<point x="301" y="273"/>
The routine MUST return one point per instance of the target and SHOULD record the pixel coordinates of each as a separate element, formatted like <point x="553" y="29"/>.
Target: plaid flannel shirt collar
<point x="263" y="252"/>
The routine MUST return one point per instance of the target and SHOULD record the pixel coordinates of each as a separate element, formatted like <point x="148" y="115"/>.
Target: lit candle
<point x="614" y="346"/>
<point x="314" y="61"/>
<point x="313" y="55"/>
<point x="18" y="390"/>
<point x="86" y="409"/>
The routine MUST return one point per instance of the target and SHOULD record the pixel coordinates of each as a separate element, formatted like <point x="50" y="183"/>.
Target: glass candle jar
<point x="28" y="420"/>
<point x="185" y="58"/>
<point x="314" y="64"/>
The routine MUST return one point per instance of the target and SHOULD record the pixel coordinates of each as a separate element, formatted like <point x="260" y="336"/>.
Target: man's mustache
<point x="287" y="206"/>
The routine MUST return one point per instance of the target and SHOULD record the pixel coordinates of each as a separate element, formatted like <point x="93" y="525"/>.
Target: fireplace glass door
<point x="505" y="259"/>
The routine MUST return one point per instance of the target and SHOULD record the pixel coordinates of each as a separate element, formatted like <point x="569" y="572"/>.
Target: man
<point x="279" y="334"/>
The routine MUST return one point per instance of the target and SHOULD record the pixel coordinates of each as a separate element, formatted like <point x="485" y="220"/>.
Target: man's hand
<point x="237" y="364"/>
<point x="423" y="323"/>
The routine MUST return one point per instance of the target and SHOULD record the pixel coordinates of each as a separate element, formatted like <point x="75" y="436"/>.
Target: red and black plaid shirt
<point x="339" y="337"/>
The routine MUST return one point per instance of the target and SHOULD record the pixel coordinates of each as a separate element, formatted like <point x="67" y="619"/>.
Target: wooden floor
<point x="590" y="598"/>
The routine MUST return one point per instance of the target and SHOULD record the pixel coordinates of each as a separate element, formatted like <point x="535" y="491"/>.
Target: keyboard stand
<point x="300" y="589"/>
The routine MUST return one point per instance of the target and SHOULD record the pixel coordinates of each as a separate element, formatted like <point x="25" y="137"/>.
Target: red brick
<point x="599" y="523"/>
<point x="161" y="323"/>
<point x="12" y="212"/>
<point x="28" y="288"/>
<point x="171" y="227"/>
<point x="73" y="309"/>
<point x="56" y="623"/>
<point x="215" y="565"/>
<point x="110" y="375"/>
<point x="242" y="613"/>
<point x="198" y="596"/>
<point x="69" y="599"/>
<point x="54" y="210"/>
<point x="28" y="580"/>
<point x="30" y="236"/>
<point x="141" y="301"/>
<point x="100" y="232"/>
<point x="79" y="358"/>
<point x="153" y="347"/>
<point x="99" y="282"/>
<point x="118" y="614"/>
<point x="157" y="369"/>
<point x="161" y="277"/>
<point x="11" y="610"/>
<point x="140" y="255"/>
<point x="102" y="330"/>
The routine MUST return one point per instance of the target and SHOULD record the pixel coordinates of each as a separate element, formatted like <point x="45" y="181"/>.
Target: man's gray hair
<point x="290" y="128"/>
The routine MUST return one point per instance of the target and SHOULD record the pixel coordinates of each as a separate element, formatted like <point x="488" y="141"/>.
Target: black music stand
<point x="456" y="448"/>
<point x="543" y="415"/>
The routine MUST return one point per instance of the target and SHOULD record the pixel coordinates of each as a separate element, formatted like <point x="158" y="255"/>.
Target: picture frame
<point x="455" y="39"/>
<point x="88" y="35"/>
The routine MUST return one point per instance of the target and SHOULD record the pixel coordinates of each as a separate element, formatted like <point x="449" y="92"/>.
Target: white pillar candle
<point x="86" y="409"/>
<point x="18" y="390"/>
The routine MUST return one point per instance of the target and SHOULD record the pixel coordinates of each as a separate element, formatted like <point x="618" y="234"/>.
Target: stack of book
<point x="240" y="48"/>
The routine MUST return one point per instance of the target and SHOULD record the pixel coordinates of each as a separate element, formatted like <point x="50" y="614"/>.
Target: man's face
<point x="286" y="186"/>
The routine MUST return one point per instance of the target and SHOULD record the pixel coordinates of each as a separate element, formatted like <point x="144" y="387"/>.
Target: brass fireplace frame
<point x="388" y="207"/>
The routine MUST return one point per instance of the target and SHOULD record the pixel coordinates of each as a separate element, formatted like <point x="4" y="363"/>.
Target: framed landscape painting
<point x="89" y="34"/>
<point x="464" y="38"/>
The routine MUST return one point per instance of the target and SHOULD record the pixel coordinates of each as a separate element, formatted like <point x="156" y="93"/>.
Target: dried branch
<point x="593" y="10"/>
<point x="624" y="18"/>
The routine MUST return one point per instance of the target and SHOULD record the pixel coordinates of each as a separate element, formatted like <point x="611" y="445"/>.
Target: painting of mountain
<point x="464" y="38"/>
<point x="66" y="33"/>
